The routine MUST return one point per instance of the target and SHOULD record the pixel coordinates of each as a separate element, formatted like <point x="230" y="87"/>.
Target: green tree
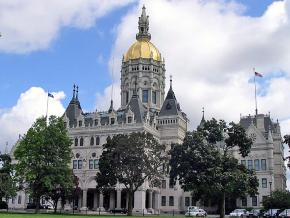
<point x="204" y="163"/>
<point x="278" y="199"/>
<point x="287" y="141"/>
<point x="8" y="183"/>
<point x="43" y="158"/>
<point x="131" y="160"/>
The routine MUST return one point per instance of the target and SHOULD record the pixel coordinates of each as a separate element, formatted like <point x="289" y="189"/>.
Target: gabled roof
<point x="137" y="108"/>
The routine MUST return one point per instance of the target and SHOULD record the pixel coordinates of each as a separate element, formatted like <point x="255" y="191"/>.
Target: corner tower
<point x="143" y="70"/>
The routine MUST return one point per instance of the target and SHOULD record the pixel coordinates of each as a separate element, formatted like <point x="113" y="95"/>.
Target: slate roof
<point x="170" y="105"/>
<point x="246" y="122"/>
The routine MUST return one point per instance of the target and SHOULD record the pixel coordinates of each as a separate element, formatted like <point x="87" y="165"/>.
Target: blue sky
<point x="78" y="56"/>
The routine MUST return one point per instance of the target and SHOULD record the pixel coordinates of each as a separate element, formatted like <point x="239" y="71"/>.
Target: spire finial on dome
<point x="143" y="26"/>
<point x="171" y="81"/>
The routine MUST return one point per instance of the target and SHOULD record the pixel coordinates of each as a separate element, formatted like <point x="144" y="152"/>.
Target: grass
<point x="28" y="215"/>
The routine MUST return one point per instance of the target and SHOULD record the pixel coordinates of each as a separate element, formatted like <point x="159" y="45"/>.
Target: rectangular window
<point x="244" y="202"/>
<point x="171" y="200"/>
<point x="263" y="164"/>
<point x="13" y="200"/>
<point x="80" y="164"/>
<point x="75" y="164"/>
<point x="163" y="184"/>
<point x="96" y="163"/>
<point x="171" y="183"/>
<point x="186" y="201"/>
<point x="250" y="164"/>
<point x="96" y="122"/>
<point x="154" y="97"/>
<point x="127" y="97"/>
<point x="112" y="121"/>
<point x="80" y="123"/>
<point x="254" y="201"/>
<point x="91" y="164"/>
<point x="264" y="183"/>
<point x="19" y="199"/>
<point x="257" y="164"/>
<point x="163" y="201"/>
<point x="145" y="96"/>
<point x="129" y="119"/>
<point x="243" y="162"/>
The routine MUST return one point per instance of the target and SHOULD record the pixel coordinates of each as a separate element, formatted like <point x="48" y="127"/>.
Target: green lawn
<point x="28" y="215"/>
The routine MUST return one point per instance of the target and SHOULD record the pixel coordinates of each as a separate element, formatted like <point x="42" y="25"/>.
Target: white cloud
<point x="33" y="24"/>
<point x="104" y="99"/>
<point x="30" y="105"/>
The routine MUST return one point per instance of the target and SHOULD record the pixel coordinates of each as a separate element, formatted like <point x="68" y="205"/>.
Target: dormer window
<point x="80" y="123"/>
<point x="112" y="121"/>
<point x="129" y="119"/>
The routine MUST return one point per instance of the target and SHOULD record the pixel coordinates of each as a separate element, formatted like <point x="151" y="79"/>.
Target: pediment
<point x="255" y="134"/>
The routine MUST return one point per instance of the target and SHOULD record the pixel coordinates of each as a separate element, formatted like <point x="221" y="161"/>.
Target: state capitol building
<point x="147" y="107"/>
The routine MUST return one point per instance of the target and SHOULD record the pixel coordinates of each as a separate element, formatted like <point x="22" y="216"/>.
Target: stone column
<point x="139" y="201"/>
<point x="127" y="199"/>
<point x="101" y="202"/>
<point x="119" y="192"/>
<point x="84" y="201"/>
<point x="157" y="202"/>
<point x="112" y="200"/>
<point x="150" y="208"/>
<point x="95" y="200"/>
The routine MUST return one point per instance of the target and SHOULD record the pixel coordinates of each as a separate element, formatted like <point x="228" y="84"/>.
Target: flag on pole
<point x="258" y="74"/>
<point x="50" y="95"/>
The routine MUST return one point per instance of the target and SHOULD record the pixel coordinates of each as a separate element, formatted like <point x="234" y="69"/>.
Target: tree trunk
<point x="37" y="204"/>
<point x="130" y="202"/>
<point x="55" y="205"/>
<point x="222" y="209"/>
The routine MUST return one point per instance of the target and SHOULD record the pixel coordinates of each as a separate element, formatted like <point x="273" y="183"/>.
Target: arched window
<point x="81" y="142"/>
<point x="76" y="141"/>
<point x="97" y="140"/>
<point x="92" y="141"/>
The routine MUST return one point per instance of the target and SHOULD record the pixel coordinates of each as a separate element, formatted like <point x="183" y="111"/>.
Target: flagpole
<point x="47" y="109"/>
<point x="256" y="110"/>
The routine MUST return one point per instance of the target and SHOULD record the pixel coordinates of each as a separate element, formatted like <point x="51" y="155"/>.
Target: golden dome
<point x="142" y="48"/>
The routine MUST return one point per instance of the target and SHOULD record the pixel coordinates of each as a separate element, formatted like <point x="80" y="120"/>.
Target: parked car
<point x="254" y="213"/>
<point x="33" y="206"/>
<point x="272" y="213"/>
<point x="47" y="206"/>
<point x="239" y="213"/>
<point x="285" y="213"/>
<point x="196" y="212"/>
<point x="119" y="210"/>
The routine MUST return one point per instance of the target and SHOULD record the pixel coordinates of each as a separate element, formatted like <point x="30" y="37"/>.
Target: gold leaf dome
<point x="142" y="48"/>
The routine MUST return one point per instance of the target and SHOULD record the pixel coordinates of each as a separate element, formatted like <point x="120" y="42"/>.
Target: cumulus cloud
<point x="33" y="24"/>
<point x="30" y="105"/>
<point x="103" y="99"/>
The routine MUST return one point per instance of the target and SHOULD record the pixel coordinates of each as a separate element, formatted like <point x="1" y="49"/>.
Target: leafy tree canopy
<point x="278" y="199"/>
<point x="8" y="181"/>
<point x="131" y="160"/>
<point x="204" y="163"/>
<point x="43" y="157"/>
